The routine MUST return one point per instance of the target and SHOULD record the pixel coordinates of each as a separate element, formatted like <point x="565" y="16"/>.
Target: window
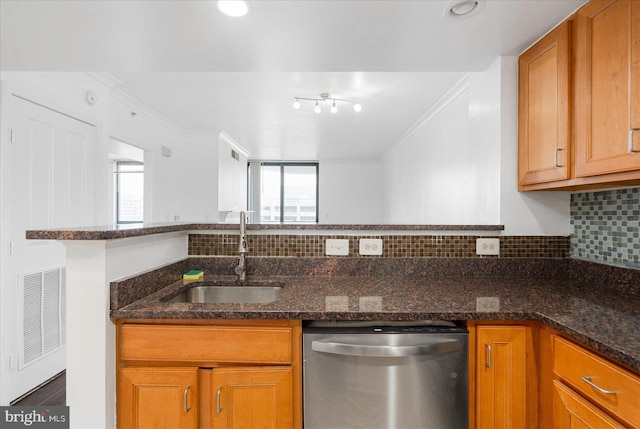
<point x="129" y="184"/>
<point x="288" y="192"/>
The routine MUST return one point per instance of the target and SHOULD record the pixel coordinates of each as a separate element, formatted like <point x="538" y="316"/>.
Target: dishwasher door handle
<point x="347" y="349"/>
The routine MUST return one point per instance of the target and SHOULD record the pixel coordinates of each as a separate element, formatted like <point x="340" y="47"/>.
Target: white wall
<point x="350" y="192"/>
<point x="458" y="163"/>
<point x="441" y="172"/>
<point x="137" y="126"/>
<point x="232" y="176"/>
<point x="200" y="196"/>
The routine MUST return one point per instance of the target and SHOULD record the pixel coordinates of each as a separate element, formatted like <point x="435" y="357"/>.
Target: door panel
<point x="543" y="102"/>
<point x="253" y="398"/>
<point x="45" y="184"/>
<point x="501" y="377"/>
<point x="158" y="398"/>
<point x="606" y="84"/>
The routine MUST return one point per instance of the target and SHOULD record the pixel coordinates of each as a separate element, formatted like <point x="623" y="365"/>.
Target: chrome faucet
<point x="241" y="268"/>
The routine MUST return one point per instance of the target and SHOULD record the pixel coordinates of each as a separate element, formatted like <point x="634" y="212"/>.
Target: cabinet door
<point x="543" y="109"/>
<point x="252" y="398"/>
<point x="501" y="377"/>
<point x="607" y="87"/>
<point x="571" y="411"/>
<point x="158" y="398"/>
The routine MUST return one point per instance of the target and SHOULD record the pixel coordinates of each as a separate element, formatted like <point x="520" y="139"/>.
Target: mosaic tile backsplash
<point x="394" y="246"/>
<point x="607" y="227"/>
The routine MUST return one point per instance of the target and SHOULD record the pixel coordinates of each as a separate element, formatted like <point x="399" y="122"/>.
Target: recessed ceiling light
<point x="235" y="8"/>
<point x="465" y="9"/>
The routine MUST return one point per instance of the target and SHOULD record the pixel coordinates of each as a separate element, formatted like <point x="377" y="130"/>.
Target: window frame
<point x="282" y="165"/>
<point x="117" y="173"/>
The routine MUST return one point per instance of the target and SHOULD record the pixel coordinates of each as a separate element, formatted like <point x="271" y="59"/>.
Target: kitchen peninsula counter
<point x="594" y="304"/>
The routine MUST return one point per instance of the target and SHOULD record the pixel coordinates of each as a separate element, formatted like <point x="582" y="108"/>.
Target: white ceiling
<point x="206" y="71"/>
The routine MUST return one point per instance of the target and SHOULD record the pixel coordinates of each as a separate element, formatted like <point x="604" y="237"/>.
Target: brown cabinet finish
<point x="573" y="412"/>
<point x="543" y="102"/>
<point x="601" y="119"/>
<point x="209" y="374"/>
<point x="158" y="398"/>
<point x="599" y="381"/>
<point x="252" y="398"/>
<point x="230" y="344"/>
<point x="502" y="390"/>
<point x="607" y="75"/>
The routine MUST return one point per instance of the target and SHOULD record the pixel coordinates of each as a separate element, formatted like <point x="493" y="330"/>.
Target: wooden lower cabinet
<point x="571" y="411"/>
<point x="252" y="398"/>
<point x="158" y="398"/>
<point x="209" y="375"/>
<point x="504" y="389"/>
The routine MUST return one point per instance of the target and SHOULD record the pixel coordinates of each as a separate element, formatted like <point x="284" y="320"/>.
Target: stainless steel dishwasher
<point x="385" y="375"/>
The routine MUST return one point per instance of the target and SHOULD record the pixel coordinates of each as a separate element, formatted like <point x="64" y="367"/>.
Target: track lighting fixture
<point x="325" y="96"/>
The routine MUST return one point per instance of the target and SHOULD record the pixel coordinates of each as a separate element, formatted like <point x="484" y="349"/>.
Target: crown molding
<point x="234" y="144"/>
<point x="461" y="86"/>
<point x="117" y="94"/>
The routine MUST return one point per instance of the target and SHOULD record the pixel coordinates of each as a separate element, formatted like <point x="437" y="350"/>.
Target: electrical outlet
<point x="371" y="246"/>
<point x="488" y="246"/>
<point x="336" y="247"/>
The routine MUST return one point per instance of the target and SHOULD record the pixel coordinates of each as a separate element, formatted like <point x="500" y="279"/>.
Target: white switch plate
<point x="371" y="246"/>
<point x="488" y="246"/>
<point x="336" y="247"/>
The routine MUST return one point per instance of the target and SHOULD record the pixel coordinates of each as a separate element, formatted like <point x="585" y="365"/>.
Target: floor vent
<point x="43" y="314"/>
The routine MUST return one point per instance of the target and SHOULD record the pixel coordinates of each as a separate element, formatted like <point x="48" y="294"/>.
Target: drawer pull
<point x="631" y="148"/>
<point x="555" y="158"/>
<point x="186" y="399"/>
<point x="219" y="405"/>
<point x="595" y="386"/>
<point x="489" y="352"/>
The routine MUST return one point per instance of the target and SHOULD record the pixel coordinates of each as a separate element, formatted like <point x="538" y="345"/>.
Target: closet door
<point x="48" y="181"/>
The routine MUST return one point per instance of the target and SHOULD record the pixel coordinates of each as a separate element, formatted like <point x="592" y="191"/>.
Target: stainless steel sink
<point x="229" y="294"/>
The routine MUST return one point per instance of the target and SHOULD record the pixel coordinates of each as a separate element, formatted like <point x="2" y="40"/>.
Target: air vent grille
<point x="43" y="314"/>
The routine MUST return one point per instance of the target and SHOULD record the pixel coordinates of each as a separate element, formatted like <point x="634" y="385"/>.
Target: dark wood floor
<point x="53" y="394"/>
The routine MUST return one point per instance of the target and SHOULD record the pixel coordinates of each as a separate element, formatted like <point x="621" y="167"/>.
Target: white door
<point x="46" y="183"/>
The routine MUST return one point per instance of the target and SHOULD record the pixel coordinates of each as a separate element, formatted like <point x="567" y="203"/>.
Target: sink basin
<point x="229" y="294"/>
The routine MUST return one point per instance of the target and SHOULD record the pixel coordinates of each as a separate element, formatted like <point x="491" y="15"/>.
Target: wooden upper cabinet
<point x="543" y="100"/>
<point x="607" y="87"/>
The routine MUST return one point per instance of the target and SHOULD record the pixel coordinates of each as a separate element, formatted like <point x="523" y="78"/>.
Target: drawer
<point x="572" y="410"/>
<point x="206" y="344"/>
<point x="576" y="366"/>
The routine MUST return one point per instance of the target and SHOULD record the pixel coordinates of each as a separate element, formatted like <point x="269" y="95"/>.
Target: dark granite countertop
<point x="109" y="232"/>
<point x="605" y="318"/>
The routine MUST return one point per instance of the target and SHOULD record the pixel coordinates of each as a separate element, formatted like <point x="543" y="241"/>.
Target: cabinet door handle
<point x="555" y="158"/>
<point x="631" y="149"/>
<point x="489" y="358"/>
<point x="218" y="403"/>
<point x="595" y="386"/>
<point x="186" y="399"/>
